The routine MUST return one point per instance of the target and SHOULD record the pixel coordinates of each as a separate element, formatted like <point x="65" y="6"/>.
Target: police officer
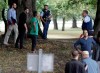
<point x="45" y="16"/>
<point x="87" y="23"/>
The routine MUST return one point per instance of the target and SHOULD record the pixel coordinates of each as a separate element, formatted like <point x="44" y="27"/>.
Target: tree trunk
<point x="97" y="19"/>
<point x="34" y="5"/>
<point x="74" y="23"/>
<point x="63" y="27"/>
<point x="55" y="23"/>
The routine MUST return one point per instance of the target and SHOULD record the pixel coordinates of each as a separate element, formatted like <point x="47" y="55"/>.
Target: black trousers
<point x="20" y="39"/>
<point x="34" y="41"/>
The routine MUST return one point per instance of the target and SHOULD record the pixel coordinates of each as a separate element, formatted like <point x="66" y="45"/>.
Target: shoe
<point x="6" y="44"/>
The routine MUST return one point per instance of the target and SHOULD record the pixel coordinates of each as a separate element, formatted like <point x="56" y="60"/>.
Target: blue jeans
<point x="45" y="30"/>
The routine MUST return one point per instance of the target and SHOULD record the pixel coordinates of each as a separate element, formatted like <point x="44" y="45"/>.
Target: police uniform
<point x="45" y="15"/>
<point x="87" y="25"/>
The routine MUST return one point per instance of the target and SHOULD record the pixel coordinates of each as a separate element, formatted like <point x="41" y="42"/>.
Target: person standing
<point x="34" y="30"/>
<point x="45" y="17"/>
<point x="12" y="24"/>
<point x="92" y="65"/>
<point x="87" y="23"/>
<point x="22" y="27"/>
<point x="74" y="66"/>
<point x="85" y="42"/>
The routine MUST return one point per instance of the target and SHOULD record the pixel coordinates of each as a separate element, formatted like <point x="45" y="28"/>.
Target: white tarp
<point x="2" y="26"/>
<point x="32" y="62"/>
<point x="47" y="62"/>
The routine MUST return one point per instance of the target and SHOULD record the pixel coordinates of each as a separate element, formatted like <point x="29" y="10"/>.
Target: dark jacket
<point x="74" y="66"/>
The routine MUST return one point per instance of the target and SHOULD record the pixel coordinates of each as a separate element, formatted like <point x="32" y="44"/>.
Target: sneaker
<point x="6" y="44"/>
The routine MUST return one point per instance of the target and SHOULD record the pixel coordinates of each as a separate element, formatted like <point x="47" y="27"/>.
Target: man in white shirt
<point x="12" y="24"/>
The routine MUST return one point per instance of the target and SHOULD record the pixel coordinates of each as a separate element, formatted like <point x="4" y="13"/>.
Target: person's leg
<point x="7" y="35"/>
<point x="45" y="31"/>
<point x="47" y="27"/>
<point x="17" y="41"/>
<point x="43" y="24"/>
<point x="21" y="39"/>
<point x="16" y="32"/>
<point x="34" y="40"/>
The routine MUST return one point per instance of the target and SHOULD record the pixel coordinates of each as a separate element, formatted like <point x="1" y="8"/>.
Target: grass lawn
<point x="13" y="60"/>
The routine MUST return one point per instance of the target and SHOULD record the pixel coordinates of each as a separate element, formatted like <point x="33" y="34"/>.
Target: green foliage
<point x="69" y="8"/>
<point x="3" y="4"/>
<point x="40" y="4"/>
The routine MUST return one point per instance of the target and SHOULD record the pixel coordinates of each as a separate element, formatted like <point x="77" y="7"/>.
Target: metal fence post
<point x="40" y="61"/>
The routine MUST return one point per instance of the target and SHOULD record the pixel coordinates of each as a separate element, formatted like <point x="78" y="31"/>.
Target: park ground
<point x="60" y="43"/>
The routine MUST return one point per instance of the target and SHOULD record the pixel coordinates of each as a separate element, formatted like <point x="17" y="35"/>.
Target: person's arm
<point x="41" y="15"/>
<point x="9" y="16"/>
<point x="26" y="28"/>
<point x="94" y="42"/>
<point x="13" y="16"/>
<point x="83" y="69"/>
<point x="76" y="44"/>
<point x="85" y="66"/>
<point x="50" y="15"/>
<point x="24" y="20"/>
<point x="34" y="24"/>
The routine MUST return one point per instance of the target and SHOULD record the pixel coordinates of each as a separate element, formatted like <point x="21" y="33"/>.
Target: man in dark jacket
<point x="22" y="27"/>
<point x="74" y="66"/>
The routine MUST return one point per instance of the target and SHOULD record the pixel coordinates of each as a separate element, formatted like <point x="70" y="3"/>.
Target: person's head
<point x="14" y="5"/>
<point x="75" y="54"/>
<point x="46" y="7"/>
<point x="35" y="13"/>
<point x="85" y="33"/>
<point x="98" y="37"/>
<point x="84" y="13"/>
<point x="85" y="54"/>
<point x="26" y="10"/>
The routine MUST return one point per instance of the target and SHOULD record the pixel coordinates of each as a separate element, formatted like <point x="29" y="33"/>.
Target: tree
<point x="74" y="23"/>
<point x="55" y="16"/>
<point x="97" y="19"/>
<point x="54" y="10"/>
<point x="62" y="12"/>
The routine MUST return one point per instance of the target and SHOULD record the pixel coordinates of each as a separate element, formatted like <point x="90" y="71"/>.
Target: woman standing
<point x="34" y="30"/>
